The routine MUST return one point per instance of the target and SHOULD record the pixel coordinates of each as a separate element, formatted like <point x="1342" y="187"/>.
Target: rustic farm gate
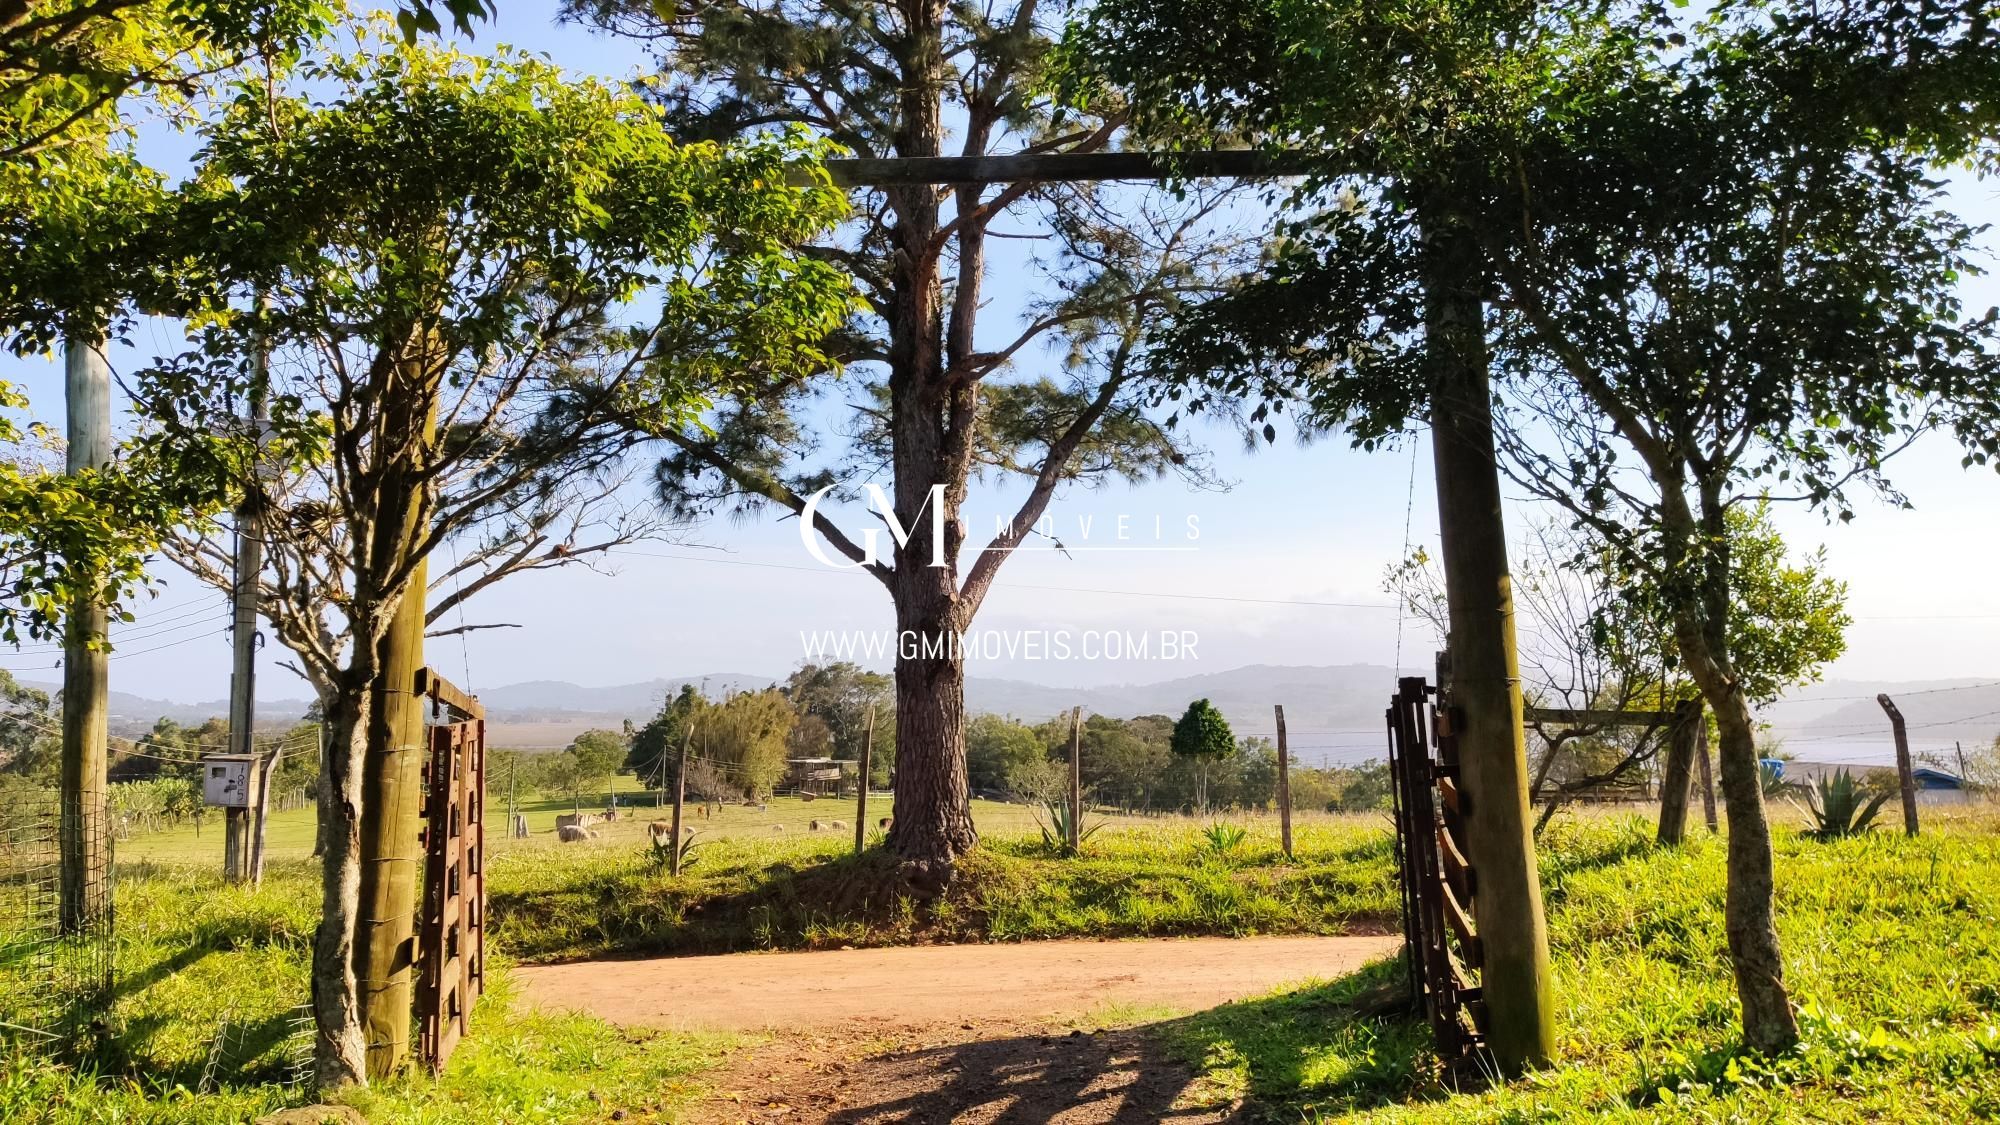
<point x="451" y="935"/>
<point x="1440" y="945"/>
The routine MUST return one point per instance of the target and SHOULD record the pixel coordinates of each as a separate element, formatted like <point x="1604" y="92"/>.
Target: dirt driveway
<point x="925" y="985"/>
<point x="1015" y="1034"/>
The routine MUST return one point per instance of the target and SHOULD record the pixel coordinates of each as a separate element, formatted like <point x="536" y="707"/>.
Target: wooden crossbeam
<point x="1457" y="872"/>
<point x="444" y="691"/>
<point x="1461" y="926"/>
<point x="1067" y="167"/>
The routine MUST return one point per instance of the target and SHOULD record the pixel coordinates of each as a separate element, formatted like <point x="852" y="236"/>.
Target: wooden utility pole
<point x="680" y="799"/>
<point x="1964" y="778"/>
<point x="84" y="840"/>
<point x="1905" y="776"/>
<point x="1677" y="780"/>
<point x="243" y="677"/>
<point x="1075" y="833"/>
<point x="861" y="790"/>
<point x="1485" y="690"/>
<point x="1284" y="786"/>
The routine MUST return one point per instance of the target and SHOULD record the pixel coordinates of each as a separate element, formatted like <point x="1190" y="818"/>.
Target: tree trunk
<point x="933" y="817"/>
<point x="1485" y="671"/>
<point x="1769" y="1024"/>
<point x="339" y="1048"/>
<point x="391" y="849"/>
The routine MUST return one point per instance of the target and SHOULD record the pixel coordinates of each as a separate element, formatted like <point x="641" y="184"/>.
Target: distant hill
<point x="1332" y="712"/>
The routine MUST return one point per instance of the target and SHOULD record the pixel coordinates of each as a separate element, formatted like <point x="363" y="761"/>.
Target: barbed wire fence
<point x="56" y="981"/>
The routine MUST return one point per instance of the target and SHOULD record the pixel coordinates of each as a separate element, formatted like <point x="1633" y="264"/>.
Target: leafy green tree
<point x="585" y="765"/>
<point x="30" y="731"/>
<point x="1202" y="737"/>
<point x="659" y="741"/>
<point x="745" y="735"/>
<point x="1773" y="318"/>
<point x="435" y="253"/>
<point x="840" y="695"/>
<point x="940" y="404"/>
<point x="1712" y="247"/>
<point x="1124" y="760"/>
<point x="994" y="747"/>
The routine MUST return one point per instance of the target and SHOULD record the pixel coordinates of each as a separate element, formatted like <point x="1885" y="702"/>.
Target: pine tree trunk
<point x="339" y="1048"/>
<point x="933" y="817"/>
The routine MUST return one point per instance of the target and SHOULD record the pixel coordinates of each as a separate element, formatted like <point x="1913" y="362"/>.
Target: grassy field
<point x="206" y="1029"/>
<point x="1891" y="949"/>
<point x="1891" y="944"/>
<point x="790" y="891"/>
<point x="764" y="879"/>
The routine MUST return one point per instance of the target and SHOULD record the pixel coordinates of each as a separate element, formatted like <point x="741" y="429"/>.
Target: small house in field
<point x="817" y="777"/>
<point x="1929" y="778"/>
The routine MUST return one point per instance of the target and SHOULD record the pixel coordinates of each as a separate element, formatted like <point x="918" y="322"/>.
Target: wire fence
<point x="57" y="941"/>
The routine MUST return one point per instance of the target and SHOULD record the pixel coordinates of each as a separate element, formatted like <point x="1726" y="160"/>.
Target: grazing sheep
<point x="575" y="820"/>
<point x="659" y="829"/>
<point x="777" y="828"/>
<point x="836" y="825"/>
<point x="572" y="833"/>
<point x="885" y="822"/>
<point x="813" y="827"/>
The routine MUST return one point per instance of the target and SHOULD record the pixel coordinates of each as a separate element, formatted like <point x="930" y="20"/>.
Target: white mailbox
<point x="227" y="779"/>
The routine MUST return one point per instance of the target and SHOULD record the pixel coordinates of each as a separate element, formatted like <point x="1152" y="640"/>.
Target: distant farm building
<point x="817" y="777"/>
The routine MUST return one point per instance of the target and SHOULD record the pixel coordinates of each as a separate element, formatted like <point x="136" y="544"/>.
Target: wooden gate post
<point x="1904" y="774"/>
<point x="1284" y="786"/>
<point x="1485" y="699"/>
<point x="1677" y="780"/>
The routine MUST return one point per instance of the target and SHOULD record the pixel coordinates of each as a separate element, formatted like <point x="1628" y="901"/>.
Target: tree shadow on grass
<point x="1348" y="1044"/>
<point x="1128" y="1077"/>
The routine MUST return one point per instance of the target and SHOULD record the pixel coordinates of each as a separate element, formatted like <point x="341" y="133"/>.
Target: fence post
<point x="1075" y="779"/>
<point x="861" y="790"/>
<point x="1904" y="774"/>
<point x="680" y="798"/>
<point x="1284" y="785"/>
<point x="1677" y="781"/>
<point x="1707" y="776"/>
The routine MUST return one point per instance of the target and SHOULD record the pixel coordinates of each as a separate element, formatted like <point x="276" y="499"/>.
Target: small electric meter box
<point x="228" y="779"/>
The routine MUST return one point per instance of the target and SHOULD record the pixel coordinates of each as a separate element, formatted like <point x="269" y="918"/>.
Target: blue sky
<point x="1298" y="529"/>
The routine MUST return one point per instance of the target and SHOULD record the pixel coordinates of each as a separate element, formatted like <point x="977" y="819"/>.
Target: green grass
<point x="200" y="961"/>
<point x="806" y="892"/>
<point x="1890" y="947"/>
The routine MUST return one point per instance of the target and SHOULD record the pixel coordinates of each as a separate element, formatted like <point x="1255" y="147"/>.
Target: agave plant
<point x="1839" y="806"/>
<point x="1055" y="829"/>
<point x="664" y="850"/>
<point x="1221" y="839"/>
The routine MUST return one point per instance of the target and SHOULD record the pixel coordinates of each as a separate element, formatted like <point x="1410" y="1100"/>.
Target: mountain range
<point x="1332" y="712"/>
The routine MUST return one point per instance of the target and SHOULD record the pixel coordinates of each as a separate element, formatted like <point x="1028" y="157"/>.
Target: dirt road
<point x="1034" y="1034"/>
<point x="926" y="985"/>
